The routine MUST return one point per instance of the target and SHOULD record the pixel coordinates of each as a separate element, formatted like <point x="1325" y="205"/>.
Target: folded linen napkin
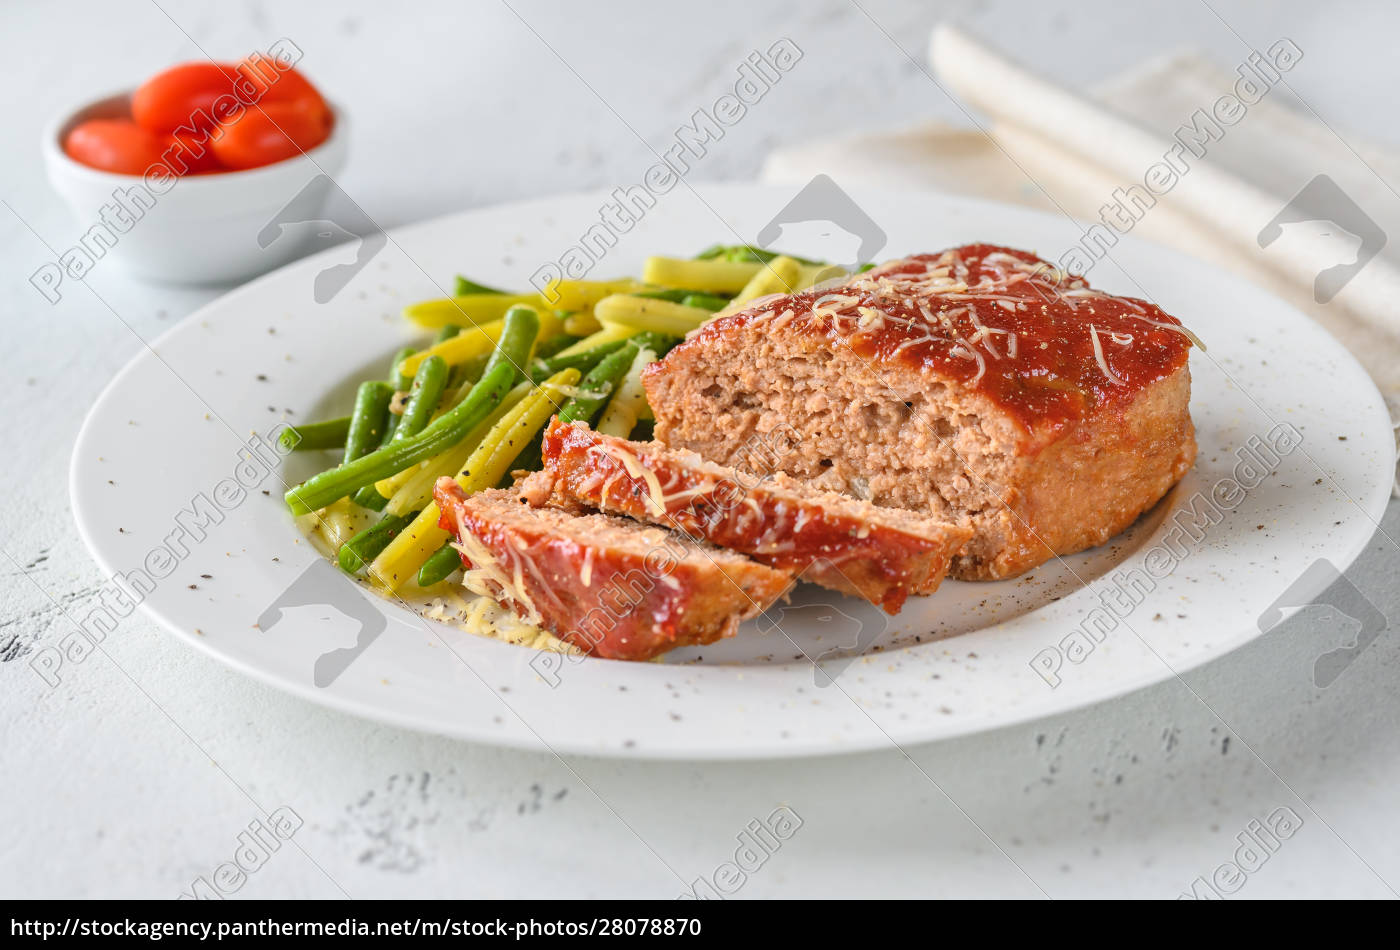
<point x="1275" y="196"/>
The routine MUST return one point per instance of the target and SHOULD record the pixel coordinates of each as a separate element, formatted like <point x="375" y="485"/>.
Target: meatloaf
<point x="839" y="542"/>
<point x="610" y="586"/>
<point x="979" y="384"/>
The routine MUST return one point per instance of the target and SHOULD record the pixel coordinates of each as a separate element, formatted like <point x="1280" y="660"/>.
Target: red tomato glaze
<point x="1041" y="344"/>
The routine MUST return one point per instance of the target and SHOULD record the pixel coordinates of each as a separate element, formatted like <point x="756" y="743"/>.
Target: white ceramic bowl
<point x="206" y="228"/>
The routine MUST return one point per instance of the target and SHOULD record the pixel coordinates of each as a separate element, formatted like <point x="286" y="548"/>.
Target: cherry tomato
<point x="115" y="145"/>
<point x="182" y="95"/>
<point x="283" y="115"/>
<point x="271" y="84"/>
<point x="271" y="132"/>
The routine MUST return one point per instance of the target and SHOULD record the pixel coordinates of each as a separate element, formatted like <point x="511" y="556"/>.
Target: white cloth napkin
<point x="1081" y="147"/>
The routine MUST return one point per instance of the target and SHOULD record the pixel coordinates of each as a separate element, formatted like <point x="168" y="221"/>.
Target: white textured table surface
<point x="135" y="776"/>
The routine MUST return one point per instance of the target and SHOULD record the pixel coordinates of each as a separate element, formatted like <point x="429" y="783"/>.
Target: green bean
<point x="583" y="362"/>
<point x="658" y="343"/>
<point x="368" y="420"/>
<point x="439" y="566"/>
<point x="456" y="377"/>
<point x="400" y="382"/>
<point x="598" y="385"/>
<point x="560" y="341"/>
<point x="674" y="295"/>
<point x="315" y="435"/>
<point x="423" y="397"/>
<point x="747" y="252"/>
<point x="705" y="301"/>
<point x="547" y="349"/>
<point x="463" y="377"/>
<point x="516" y="340"/>
<point x="643" y="431"/>
<point x="689" y="298"/>
<point x="473" y="369"/>
<point x="365" y="546"/>
<point x="441" y="434"/>
<point x="465" y="286"/>
<point x="368" y="497"/>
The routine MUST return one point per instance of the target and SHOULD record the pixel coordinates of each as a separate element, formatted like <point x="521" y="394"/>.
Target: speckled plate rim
<point x="727" y="710"/>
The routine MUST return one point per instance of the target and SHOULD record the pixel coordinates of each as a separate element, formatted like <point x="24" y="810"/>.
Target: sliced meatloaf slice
<point x="611" y="586"/>
<point x="978" y="384"/>
<point x="839" y="542"/>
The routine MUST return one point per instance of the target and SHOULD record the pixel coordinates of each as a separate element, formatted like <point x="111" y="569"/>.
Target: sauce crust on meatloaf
<point x="979" y="384"/>
<point x="880" y="554"/>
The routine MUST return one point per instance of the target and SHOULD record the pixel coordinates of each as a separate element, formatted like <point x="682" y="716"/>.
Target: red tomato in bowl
<point x="271" y="132"/>
<point x="268" y="83"/>
<point x="115" y="145"/>
<point x="182" y="95"/>
<point x="278" y="115"/>
<point x="122" y="146"/>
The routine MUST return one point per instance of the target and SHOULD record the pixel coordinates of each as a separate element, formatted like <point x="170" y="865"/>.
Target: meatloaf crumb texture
<point x="611" y="586"/>
<point x="978" y="385"/>
<point x="880" y="554"/>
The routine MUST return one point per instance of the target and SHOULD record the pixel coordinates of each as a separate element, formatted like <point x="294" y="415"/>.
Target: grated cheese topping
<point x="976" y="305"/>
<point x="635" y="469"/>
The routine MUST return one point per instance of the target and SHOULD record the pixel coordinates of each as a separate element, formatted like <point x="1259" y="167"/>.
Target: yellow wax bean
<point x="712" y="277"/>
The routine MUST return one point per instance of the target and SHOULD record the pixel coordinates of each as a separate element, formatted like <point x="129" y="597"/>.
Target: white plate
<point x="169" y="426"/>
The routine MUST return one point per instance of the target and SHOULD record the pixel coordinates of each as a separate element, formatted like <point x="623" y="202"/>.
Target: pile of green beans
<point x="441" y="405"/>
<point x="446" y="431"/>
<point x="362" y="469"/>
